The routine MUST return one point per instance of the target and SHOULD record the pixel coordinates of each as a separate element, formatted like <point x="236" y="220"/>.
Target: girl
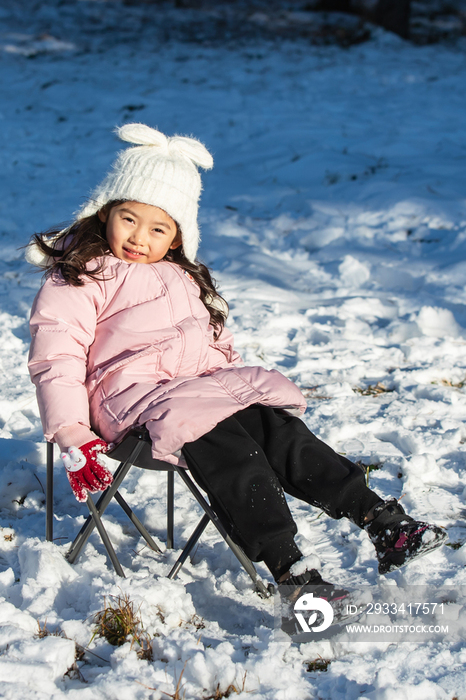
<point x="128" y="329"/>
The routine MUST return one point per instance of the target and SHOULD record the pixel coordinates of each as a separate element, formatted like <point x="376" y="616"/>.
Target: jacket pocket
<point x="135" y="359"/>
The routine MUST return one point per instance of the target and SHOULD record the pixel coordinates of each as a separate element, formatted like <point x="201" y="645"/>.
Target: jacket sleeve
<point x="63" y="322"/>
<point x="225" y="344"/>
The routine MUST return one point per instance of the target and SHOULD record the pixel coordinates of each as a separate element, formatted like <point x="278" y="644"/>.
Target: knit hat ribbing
<point x="160" y="171"/>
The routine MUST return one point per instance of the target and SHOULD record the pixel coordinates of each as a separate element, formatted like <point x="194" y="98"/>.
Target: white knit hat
<point x="160" y="171"/>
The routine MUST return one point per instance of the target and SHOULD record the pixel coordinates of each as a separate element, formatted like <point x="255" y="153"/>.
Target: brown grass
<point x="319" y="664"/>
<point x="232" y="688"/>
<point x="372" y="390"/>
<point x="454" y="385"/>
<point x="311" y="392"/>
<point x="118" y="622"/>
<point x="217" y="695"/>
<point x="176" y="695"/>
<point x="197" y="622"/>
<point x="454" y="545"/>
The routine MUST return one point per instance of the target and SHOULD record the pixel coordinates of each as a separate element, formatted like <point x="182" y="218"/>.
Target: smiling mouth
<point x="133" y="253"/>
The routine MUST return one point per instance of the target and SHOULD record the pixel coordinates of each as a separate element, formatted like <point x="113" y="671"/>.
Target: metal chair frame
<point x="135" y="450"/>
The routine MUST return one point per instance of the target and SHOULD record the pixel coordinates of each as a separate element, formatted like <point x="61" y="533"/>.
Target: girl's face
<point x="139" y="233"/>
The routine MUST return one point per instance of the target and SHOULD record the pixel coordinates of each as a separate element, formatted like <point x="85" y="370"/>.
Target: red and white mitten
<point x="85" y="470"/>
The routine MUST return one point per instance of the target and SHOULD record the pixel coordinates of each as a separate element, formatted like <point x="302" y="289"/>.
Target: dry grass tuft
<point x="43" y="631"/>
<point x="217" y="695"/>
<point x="176" y="695"/>
<point x="372" y="390"/>
<point x="197" y="622"/>
<point x="145" y="647"/>
<point x="118" y="622"/>
<point x="232" y="688"/>
<point x="454" y="385"/>
<point x="311" y="392"/>
<point x="318" y="664"/>
<point x="74" y="673"/>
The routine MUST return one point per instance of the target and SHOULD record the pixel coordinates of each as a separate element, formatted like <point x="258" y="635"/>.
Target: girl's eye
<point x="128" y="218"/>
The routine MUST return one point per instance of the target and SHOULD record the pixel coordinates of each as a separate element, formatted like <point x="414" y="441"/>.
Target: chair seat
<point x="123" y="450"/>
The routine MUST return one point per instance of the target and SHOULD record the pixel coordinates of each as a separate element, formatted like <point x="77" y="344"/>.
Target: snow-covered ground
<point x="335" y="223"/>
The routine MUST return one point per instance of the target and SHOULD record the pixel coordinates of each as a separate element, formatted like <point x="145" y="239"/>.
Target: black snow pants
<point x="247" y="462"/>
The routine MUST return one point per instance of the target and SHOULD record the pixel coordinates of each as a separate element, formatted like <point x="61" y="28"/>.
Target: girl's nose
<point x="137" y="236"/>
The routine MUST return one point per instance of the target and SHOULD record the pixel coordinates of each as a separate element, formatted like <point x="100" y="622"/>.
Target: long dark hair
<point x="69" y="251"/>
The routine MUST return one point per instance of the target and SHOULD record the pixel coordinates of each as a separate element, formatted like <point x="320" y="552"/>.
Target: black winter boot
<point x="293" y="586"/>
<point x="398" y="538"/>
<point x="310" y="581"/>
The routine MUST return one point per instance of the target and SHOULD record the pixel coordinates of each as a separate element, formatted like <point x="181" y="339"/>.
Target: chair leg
<point x="170" y="508"/>
<point x="136" y="522"/>
<point x="244" y="560"/>
<point x="191" y="543"/>
<point x="49" y="494"/>
<point x="105" y="538"/>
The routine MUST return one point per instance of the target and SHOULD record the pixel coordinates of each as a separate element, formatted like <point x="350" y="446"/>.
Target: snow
<point x="335" y="223"/>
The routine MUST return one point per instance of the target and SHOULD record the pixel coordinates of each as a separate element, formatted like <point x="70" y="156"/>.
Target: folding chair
<point x="135" y="450"/>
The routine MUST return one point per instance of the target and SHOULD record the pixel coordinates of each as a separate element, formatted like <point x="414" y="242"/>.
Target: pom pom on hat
<point x="160" y="171"/>
<point x="35" y="256"/>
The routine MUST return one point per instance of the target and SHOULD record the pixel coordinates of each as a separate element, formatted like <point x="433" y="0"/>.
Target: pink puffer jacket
<point x="138" y="349"/>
